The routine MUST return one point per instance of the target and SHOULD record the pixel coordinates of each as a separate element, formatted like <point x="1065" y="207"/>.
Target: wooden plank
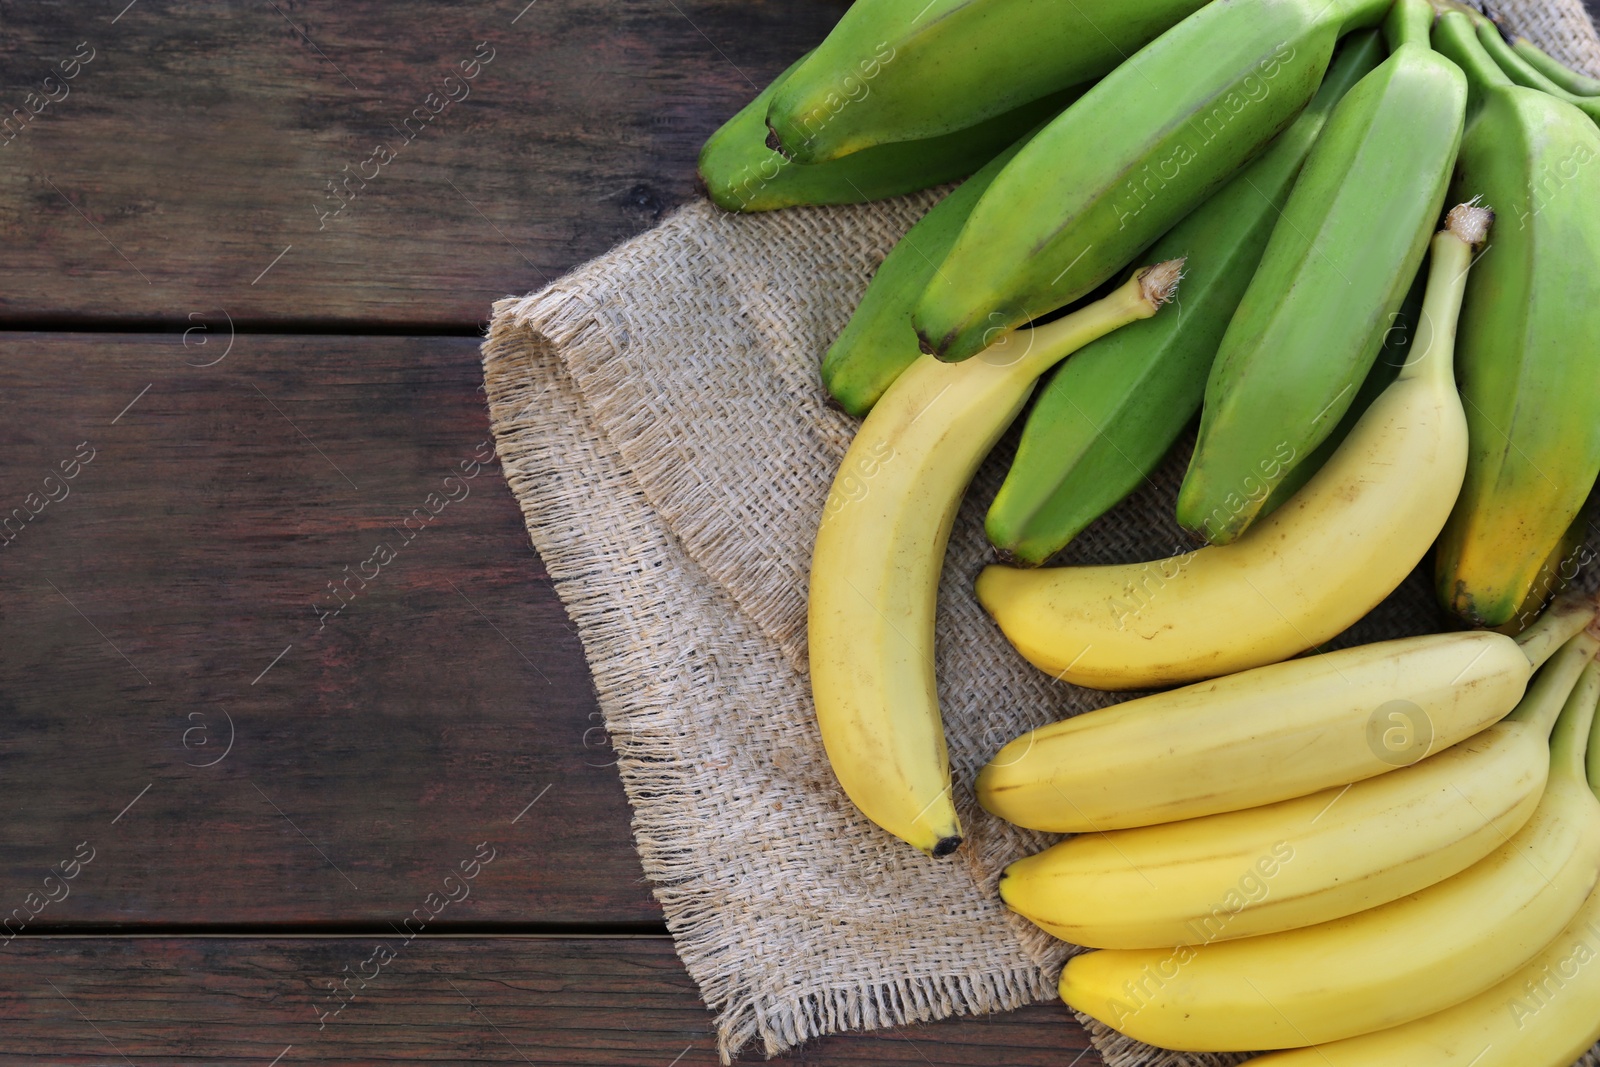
<point x="204" y="517"/>
<point x="566" y="1001"/>
<point x="186" y="166"/>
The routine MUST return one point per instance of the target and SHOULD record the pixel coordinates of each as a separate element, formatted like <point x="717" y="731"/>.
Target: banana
<point x="1296" y="578"/>
<point x="879" y="549"/>
<point x="878" y="343"/>
<point x="904" y="70"/>
<point x="740" y="173"/>
<point x="1106" y="418"/>
<point x="1397" y="336"/>
<point x="1140" y="150"/>
<point x="1532" y="312"/>
<point x="1559" y="73"/>
<point x="1268" y="734"/>
<point x="1333" y="274"/>
<point x="1519" y="70"/>
<point x="1304" y="861"/>
<point x="1547" y="1014"/>
<point x="1380" y="968"/>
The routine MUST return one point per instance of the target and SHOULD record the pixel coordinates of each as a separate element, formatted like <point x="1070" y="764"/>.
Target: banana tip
<point x="946" y="845"/>
<point x="774" y="143"/>
<point x="1470" y="222"/>
<point x="1159" y="283"/>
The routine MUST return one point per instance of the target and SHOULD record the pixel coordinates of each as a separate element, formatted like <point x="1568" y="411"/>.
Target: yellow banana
<point x="1303" y="861"/>
<point x="880" y="546"/>
<point x="1547" y="1014"/>
<point x="1268" y="734"/>
<point x="1325" y="558"/>
<point x="1379" y="968"/>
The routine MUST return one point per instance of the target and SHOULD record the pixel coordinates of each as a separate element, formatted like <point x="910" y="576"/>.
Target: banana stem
<point x="1570" y="739"/>
<point x="1456" y="40"/>
<point x="1044" y="346"/>
<point x="1568" y="616"/>
<point x="1542" y="703"/>
<point x="1572" y="81"/>
<point x="1451" y="255"/>
<point x="1408" y="23"/>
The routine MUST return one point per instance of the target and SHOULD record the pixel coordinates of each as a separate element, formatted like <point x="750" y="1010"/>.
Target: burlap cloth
<point x="659" y="417"/>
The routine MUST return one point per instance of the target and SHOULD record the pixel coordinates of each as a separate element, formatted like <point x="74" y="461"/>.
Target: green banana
<point x="1392" y="356"/>
<point x="1551" y="67"/>
<point x="1531" y="314"/>
<point x="878" y="343"/>
<point x="740" y="173"/>
<point x="1109" y="415"/>
<point x="902" y="70"/>
<point x="1523" y="73"/>
<point x="1139" y="151"/>
<point x="1335" y="270"/>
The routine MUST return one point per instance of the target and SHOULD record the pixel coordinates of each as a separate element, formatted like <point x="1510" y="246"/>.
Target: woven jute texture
<point x="660" y="419"/>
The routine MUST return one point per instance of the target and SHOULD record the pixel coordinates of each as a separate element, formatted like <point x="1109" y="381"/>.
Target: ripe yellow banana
<point x="1379" y="968"/>
<point x="880" y="546"/>
<point x="1545" y="1015"/>
<point x="1302" y="861"/>
<point x="1268" y="734"/>
<point x="1297" y="577"/>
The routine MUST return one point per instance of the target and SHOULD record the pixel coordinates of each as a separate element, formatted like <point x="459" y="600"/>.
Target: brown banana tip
<point x="773" y="142"/>
<point x="924" y="345"/>
<point x="1470" y="222"/>
<point x="1159" y="283"/>
<point x="946" y="846"/>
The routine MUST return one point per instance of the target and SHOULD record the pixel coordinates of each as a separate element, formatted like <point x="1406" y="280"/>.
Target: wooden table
<point x="240" y="349"/>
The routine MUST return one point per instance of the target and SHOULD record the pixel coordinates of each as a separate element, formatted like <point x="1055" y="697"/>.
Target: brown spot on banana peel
<point x="946" y="845"/>
<point x="775" y="144"/>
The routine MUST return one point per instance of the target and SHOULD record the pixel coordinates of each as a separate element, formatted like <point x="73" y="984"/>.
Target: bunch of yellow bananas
<point x="1359" y="854"/>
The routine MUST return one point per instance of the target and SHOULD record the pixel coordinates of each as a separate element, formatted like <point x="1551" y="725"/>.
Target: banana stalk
<point x="1523" y="73"/>
<point x="1335" y="271"/>
<point x="1339" y="851"/>
<point x="1167" y="128"/>
<point x="1383" y="967"/>
<point x="740" y="173"/>
<point x="1559" y="73"/>
<point x="1296" y="578"/>
<point x="879" y="549"/>
<point x="1531" y="316"/>
<point x="905" y="70"/>
<point x="1106" y="418"/>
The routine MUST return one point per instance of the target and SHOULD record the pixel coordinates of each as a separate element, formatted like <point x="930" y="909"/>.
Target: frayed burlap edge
<point x="555" y="459"/>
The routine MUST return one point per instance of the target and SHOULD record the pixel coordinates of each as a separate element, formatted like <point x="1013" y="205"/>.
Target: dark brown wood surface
<point x="553" y="1002"/>
<point x="175" y="588"/>
<point x="196" y="147"/>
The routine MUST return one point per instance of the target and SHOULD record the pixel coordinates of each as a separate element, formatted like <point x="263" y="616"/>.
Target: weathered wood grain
<point x="554" y="1002"/>
<point x="198" y="142"/>
<point x="174" y="587"/>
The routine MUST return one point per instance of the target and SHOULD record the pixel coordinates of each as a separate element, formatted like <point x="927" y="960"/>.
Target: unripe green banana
<point x="878" y="342"/>
<point x="903" y="70"/>
<point x="1397" y="338"/>
<point x="1530" y="319"/>
<point x="1523" y="73"/>
<point x="1334" y="272"/>
<point x="1139" y="151"/>
<point x="1572" y="81"/>
<point x="740" y="173"/>
<point x="1378" y="968"/>
<point x="1110" y="414"/>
